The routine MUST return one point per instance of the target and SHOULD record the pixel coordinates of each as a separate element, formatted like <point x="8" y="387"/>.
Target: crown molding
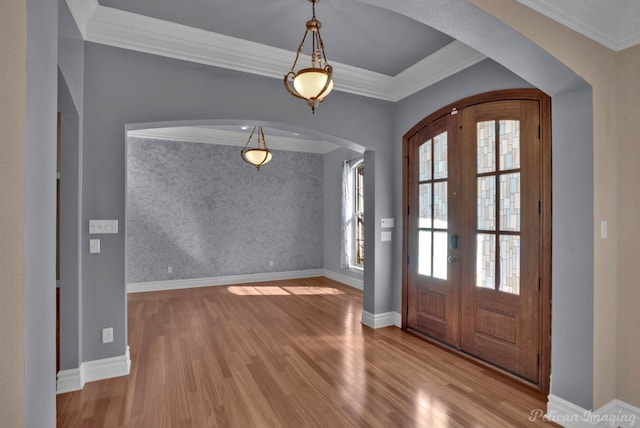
<point x="449" y="60"/>
<point x="82" y="11"/>
<point x="118" y="28"/>
<point x="192" y="134"/>
<point x="600" y="21"/>
<point x="141" y="33"/>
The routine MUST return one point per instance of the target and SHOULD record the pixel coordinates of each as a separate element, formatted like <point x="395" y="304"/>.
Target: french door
<point x="476" y="232"/>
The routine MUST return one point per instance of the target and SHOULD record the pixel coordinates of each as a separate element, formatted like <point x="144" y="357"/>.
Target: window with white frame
<point x="358" y="213"/>
<point x="352" y="251"/>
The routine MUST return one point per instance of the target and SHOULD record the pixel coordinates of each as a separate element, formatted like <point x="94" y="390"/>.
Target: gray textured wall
<point x="202" y="210"/>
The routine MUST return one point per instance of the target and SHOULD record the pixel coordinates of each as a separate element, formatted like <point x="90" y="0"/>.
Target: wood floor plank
<point x="287" y="354"/>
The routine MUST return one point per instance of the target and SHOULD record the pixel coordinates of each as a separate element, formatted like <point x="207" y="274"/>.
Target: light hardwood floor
<point x="287" y="354"/>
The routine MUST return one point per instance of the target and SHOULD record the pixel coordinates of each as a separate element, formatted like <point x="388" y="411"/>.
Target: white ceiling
<point x="184" y="30"/>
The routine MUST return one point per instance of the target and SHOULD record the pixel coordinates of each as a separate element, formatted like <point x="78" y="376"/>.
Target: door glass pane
<point x="487" y="203"/>
<point x="486" y="261"/>
<point x="424" y="253"/>
<point x="440" y="249"/>
<point x="424" y="202"/>
<point x="440" y="205"/>
<point x="440" y="156"/>
<point x="509" y="144"/>
<point x="510" y="264"/>
<point x="486" y="146"/>
<point x="510" y="202"/>
<point x="424" y="161"/>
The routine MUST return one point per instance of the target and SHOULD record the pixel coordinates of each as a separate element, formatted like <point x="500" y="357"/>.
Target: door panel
<point x="474" y="232"/>
<point x="432" y="279"/>
<point x="499" y="289"/>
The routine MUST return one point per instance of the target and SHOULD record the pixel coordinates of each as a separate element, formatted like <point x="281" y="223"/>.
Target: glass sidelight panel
<point x="440" y="156"/>
<point x="486" y="147"/>
<point x="440" y="250"/>
<point x="440" y="205"/>
<point x="424" y="161"/>
<point x="433" y="207"/>
<point x="498" y="205"/>
<point x="509" y="144"/>
<point x="510" y="202"/>
<point x="424" y="253"/>
<point x="486" y="261"/>
<point x="510" y="264"/>
<point x="487" y="203"/>
<point x="424" y="205"/>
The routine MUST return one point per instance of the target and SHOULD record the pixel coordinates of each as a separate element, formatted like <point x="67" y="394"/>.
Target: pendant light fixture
<point x="312" y="84"/>
<point x="259" y="155"/>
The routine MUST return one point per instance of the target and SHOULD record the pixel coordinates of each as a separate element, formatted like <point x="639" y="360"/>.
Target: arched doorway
<point x="477" y="230"/>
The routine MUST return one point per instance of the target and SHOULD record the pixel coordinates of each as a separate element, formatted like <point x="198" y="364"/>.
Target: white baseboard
<point x="136" y="287"/>
<point x="613" y="414"/>
<point x="90" y="371"/>
<point x="107" y="368"/>
<point x="70" y="380"/>
<point x="385" y="319"/>
<point x="620" y="414"/>
<point x="350" y="281"/>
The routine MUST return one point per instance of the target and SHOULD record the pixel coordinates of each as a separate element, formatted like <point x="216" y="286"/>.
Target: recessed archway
<point x="572" y="117"/>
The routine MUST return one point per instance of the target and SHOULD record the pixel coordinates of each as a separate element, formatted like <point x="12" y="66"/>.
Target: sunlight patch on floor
<point x="247" y="290"/>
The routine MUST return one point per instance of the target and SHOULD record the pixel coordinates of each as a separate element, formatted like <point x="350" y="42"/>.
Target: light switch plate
<point x="94" y="246"/>
<point x="103" y="226"/>
<point x="107" y="335"/>
<point x="386" y="223"/>
<point x="385" y="236"/>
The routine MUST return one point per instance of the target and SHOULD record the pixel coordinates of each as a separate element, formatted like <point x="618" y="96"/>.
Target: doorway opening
<point x="477" y="230"/>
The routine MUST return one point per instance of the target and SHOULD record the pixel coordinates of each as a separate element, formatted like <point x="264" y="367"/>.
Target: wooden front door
<point x="475" y="233"/>
<point x="434" y="275"/>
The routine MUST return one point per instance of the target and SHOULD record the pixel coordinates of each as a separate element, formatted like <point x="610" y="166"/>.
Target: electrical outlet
<point x="107" y="335"/>
<point x="170" y="269"/>
<point x="270" y="262"/>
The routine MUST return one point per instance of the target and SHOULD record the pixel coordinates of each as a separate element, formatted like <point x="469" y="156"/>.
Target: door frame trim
<point x="544" y="346"/>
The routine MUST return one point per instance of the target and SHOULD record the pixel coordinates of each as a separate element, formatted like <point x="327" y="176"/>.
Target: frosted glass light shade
<point x="257" y="157"/>
<point x="310" y="81"/>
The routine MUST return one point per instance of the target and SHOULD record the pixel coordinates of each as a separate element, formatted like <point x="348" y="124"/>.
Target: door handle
<point x="453" y="242"/>
<point x="452" y="259"/>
